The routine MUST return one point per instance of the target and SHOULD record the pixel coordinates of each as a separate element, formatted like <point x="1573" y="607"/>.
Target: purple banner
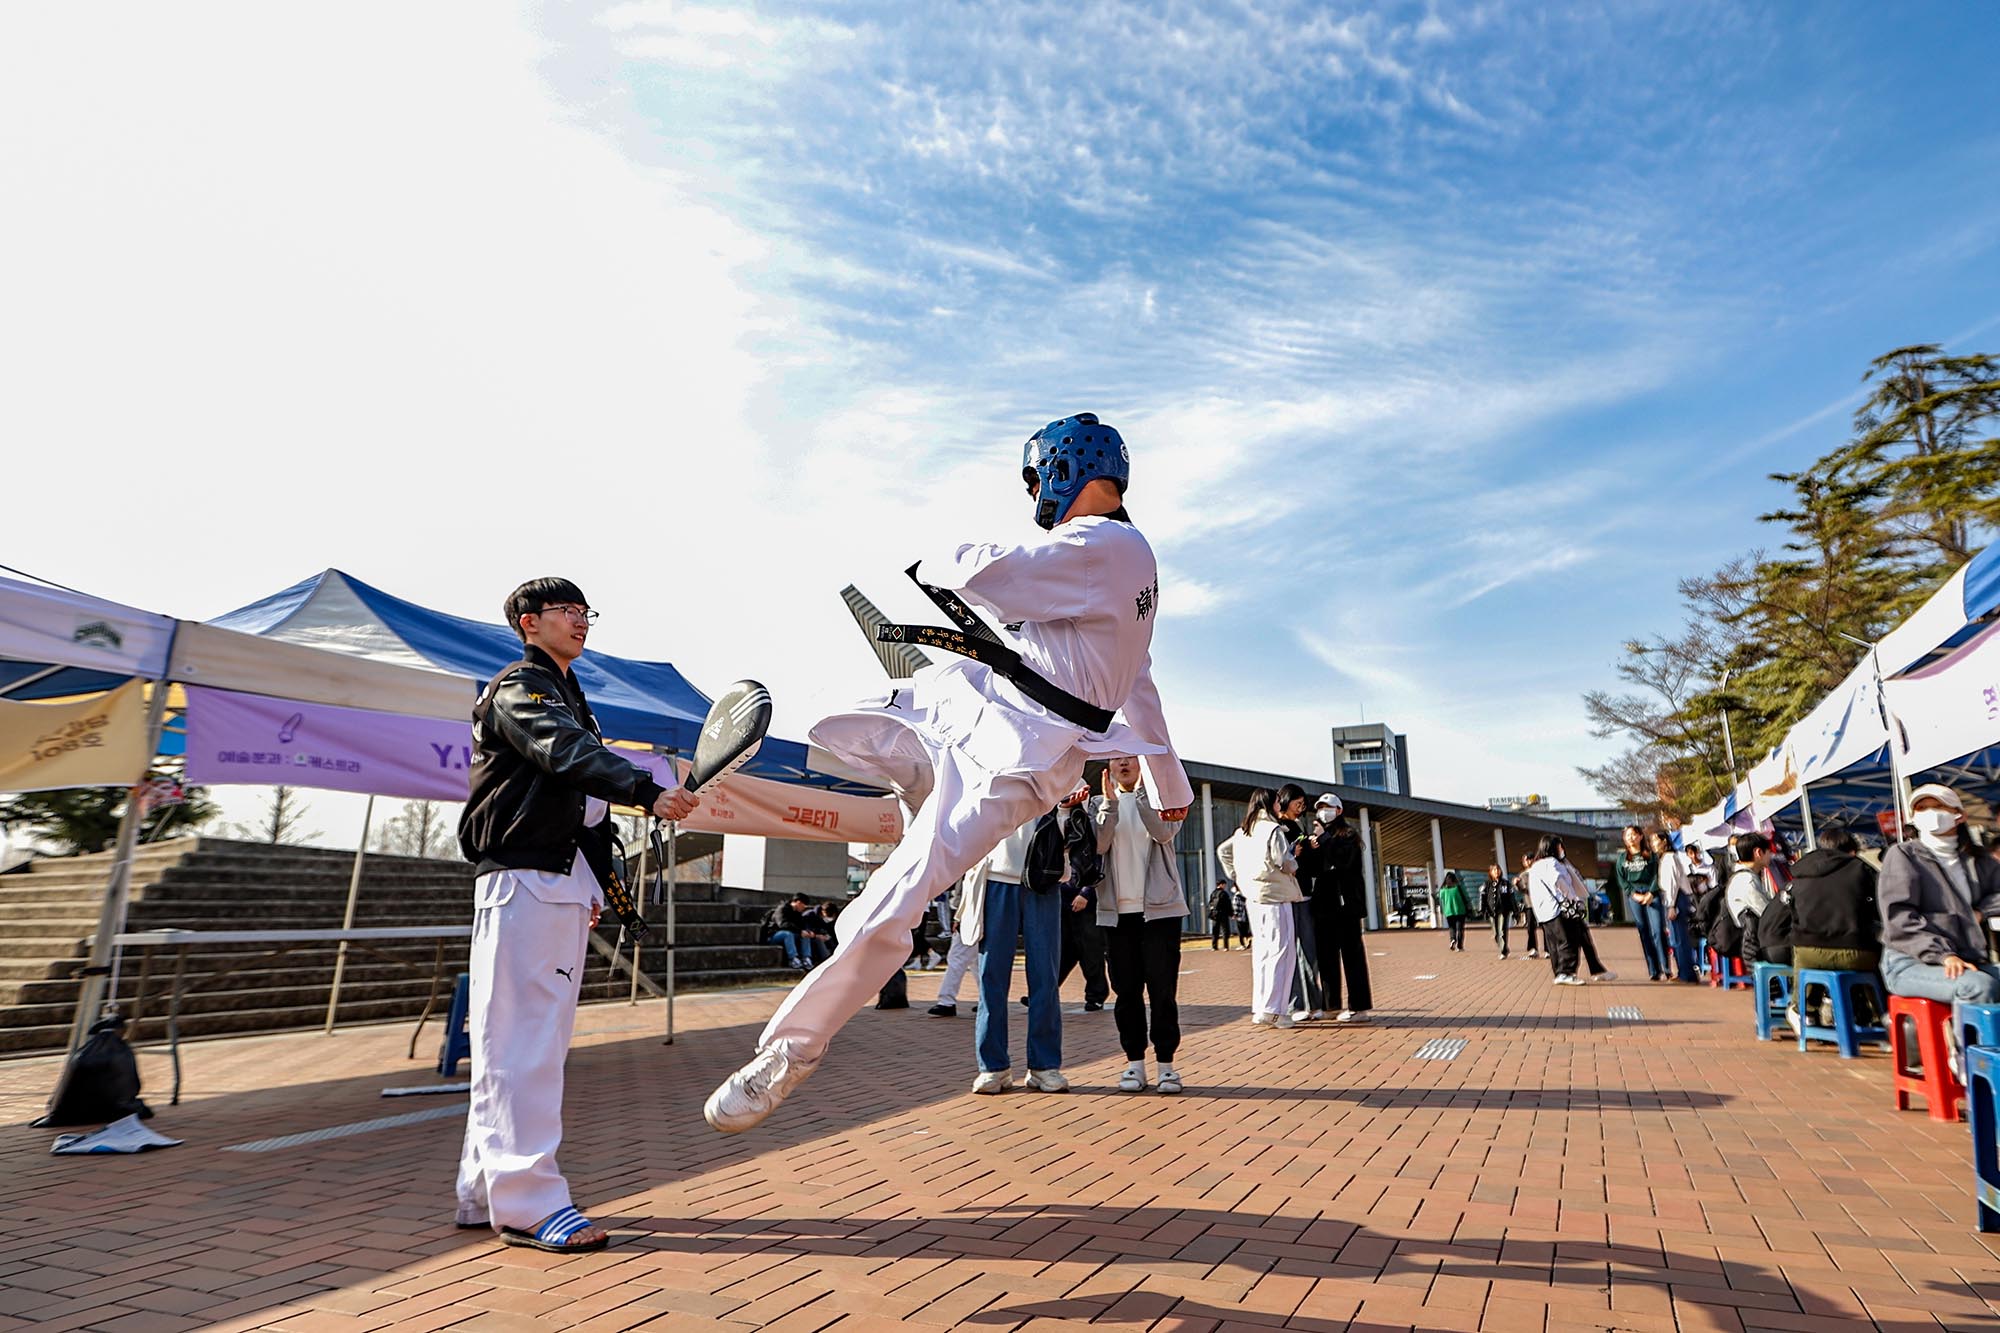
<point x="254" y="739"/>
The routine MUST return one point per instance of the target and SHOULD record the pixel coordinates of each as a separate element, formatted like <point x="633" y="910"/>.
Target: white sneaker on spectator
<point x="1568" y="980"/>
<point x="1351" y="1016"/>
<point x="1047" y="1080"/>
<point x="1262" y="1019"/>
<point x="1170" y="1080"/>
<point x="1134" y="1077"/>
<point x="993" y="1080"/>
<point x="1303" y="1015"/>
<point x="756" y="1090"/>
<point x="1791" y="1018"/>
<point x="1605" y="976"/>
<point x="1282" y="1021"/>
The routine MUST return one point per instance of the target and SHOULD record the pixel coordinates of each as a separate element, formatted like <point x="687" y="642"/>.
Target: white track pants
<point x="967" y="813"/>
<point x="956" y="961"/>
<point x="527" y="962"/>
<point x="1274" y="952"/>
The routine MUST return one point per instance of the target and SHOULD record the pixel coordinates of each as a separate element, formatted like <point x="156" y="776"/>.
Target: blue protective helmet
<point x="1064" y="456"/>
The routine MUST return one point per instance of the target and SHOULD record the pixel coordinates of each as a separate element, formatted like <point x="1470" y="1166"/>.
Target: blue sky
<point x="1446" y="338"/>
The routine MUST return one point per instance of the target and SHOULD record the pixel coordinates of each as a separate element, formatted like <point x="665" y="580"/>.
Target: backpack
<point x="1725" y="935"/>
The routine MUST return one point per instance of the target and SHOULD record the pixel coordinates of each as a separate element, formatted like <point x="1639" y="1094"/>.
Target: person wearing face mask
<point x="1936" y="893"/>
<point x="1330" y="863"/>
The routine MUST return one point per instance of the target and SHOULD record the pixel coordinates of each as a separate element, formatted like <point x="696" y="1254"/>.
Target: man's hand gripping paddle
<point x="730" y="736"/>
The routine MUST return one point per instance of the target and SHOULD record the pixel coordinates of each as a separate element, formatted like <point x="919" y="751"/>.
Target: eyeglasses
<point x="572" y="610"/>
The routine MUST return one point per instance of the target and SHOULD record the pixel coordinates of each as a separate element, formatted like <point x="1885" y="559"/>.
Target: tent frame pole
<point x="640" y="880"/>
<point x="101" y="967"/>
<point x="673" y="941"/>
<point x="347" y="920"/>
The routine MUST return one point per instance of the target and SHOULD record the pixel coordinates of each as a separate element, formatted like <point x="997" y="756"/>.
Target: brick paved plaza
<point x="1565" y="1172"/>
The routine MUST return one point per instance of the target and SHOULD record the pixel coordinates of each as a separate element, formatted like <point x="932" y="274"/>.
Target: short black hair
<point x="1840" y="838"/>
<point x="1749" y="844"/>
<point x="532" y="596"/>
<point x="800" y="898"/>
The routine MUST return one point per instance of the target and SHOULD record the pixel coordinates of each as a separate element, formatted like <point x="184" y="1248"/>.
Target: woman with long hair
<point x="1561" y="904"/>
<point x="1677" y="901"/>
<point x="1636" y="870"/>
<point x="1259" y="857"/>
<point x="1331" y="861"/>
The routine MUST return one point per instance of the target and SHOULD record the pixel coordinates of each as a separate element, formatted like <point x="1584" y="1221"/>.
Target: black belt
<point x="974" y="640"/>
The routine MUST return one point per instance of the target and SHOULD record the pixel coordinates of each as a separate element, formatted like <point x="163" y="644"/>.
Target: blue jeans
<point x="1680" y="931"/>
<point x="1904" y="975"/>
<point x="795" y="949"/>
<point x="1037" y="918"/>
<point x="1651" y="919"/>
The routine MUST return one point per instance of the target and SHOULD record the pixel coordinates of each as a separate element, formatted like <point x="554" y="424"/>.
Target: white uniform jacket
<point x="1078" y="604"/>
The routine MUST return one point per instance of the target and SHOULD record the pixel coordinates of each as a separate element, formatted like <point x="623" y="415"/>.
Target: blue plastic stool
<point x="457" y="1041"/>
<point x="1982" y="1082"/>
<point x="1771" y="1008"/>
<point x="1976" y="1024"/>
<point x="1846" y="1032"/>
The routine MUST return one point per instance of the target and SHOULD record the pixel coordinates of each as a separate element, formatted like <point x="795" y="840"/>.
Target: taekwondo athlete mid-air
<point x="979" y="745"/>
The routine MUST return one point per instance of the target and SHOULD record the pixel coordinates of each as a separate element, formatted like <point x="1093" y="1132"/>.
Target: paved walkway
<point x="1564" y="1172"/>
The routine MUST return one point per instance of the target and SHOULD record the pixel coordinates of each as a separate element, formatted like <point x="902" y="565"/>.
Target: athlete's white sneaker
<point x="754" y="1091"/>
<point x="1047" y="1080"/>
<point x="993" y="1080"/>
<point x="1134" y="1078"/>
<point x="1262" y="1019"/>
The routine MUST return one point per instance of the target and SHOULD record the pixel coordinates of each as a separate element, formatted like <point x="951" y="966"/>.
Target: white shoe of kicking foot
<point x="1047" y="1080"/>
<point x="754" y="1091"/>
<point x="991" y="1081"/>
<point x="1170" y="1080"/>
<point x="1134" y="1078"/>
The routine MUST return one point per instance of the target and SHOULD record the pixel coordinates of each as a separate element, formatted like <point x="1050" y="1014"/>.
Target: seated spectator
<point x="786" y="925"/>
<point x="819" y="933"/>
<point x="1936" y="893"/>
<point x="1749" y="893"/>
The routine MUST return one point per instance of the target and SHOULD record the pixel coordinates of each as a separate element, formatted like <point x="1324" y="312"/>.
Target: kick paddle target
<point x="735" y="727"/>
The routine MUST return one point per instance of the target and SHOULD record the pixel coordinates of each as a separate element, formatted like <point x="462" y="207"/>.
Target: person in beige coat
<point x="1140" y="908"/>
<point x="1260" y="857"/>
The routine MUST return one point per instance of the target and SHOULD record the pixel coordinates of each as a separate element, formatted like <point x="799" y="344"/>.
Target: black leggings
<point x="1145" y="959"/>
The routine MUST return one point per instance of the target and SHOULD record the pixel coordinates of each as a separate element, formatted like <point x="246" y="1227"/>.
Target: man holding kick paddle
<point x="537" y="827"/>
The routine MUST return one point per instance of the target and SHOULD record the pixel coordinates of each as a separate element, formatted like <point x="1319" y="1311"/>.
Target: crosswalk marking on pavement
<point x="1440" y="1048"/>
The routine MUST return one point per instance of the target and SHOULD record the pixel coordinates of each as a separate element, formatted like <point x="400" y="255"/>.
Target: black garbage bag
<point x="895" y="994"/>
<point x="100" y="1083"/>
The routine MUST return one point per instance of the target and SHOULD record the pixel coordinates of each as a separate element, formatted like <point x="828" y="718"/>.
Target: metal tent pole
<point x="1368" y="871"/>
<point x="673" y="860"/>
<point x="101" y="967"/>
<point x="1806" y="814"/>
<point x="1437" y="871"/>
<point x="347" y="921"/>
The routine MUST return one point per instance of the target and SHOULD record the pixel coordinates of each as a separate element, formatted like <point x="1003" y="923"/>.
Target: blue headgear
<point x="1064" y="456"/>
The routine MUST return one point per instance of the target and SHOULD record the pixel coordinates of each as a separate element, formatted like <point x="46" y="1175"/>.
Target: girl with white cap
<point x="1936" y="894"/>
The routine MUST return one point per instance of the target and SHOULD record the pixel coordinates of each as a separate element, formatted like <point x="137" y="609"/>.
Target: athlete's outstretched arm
<point x="1046" y="580"/>
<point x="1164" y="774"/>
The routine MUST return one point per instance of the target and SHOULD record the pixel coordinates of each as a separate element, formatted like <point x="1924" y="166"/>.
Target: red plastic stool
<point x="1920" y="1029"/>
<point x="1727" y="972"/>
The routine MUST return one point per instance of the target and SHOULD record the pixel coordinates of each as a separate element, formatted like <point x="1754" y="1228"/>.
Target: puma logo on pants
<point x="564" y="972"/>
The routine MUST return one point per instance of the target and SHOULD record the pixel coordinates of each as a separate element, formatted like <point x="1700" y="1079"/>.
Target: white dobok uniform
<point x="530" y="930"/>
<point x="974" y="758"/>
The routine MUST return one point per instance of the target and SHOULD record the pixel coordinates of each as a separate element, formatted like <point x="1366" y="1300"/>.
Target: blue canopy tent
<point x="646" y="702"/>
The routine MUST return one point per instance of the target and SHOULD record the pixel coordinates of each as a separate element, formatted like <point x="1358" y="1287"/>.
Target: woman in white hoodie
<point x="1261" y="858"/>
<point x="1561" y="903"/>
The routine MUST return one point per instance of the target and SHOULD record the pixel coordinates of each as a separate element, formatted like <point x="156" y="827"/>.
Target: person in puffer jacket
<point x="1835" y="921"/>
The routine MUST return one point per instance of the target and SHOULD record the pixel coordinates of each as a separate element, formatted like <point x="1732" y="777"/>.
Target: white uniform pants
<point x="1274" y="952"/>
<point x="527" y="963"/>
<point x="966" y="814"/>
<point x="956" y="961"/>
